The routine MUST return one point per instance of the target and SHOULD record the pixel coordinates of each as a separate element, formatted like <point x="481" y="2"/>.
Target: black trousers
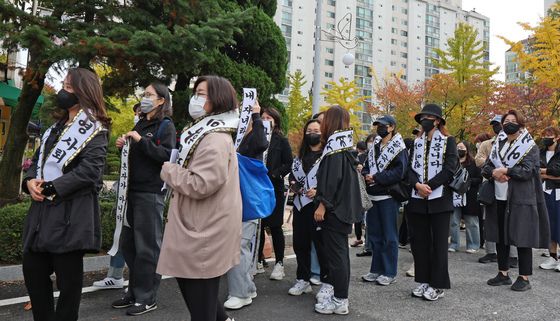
<point x="481" y="226"/>
<point x="428" y="241"/>
<point x="358" y="230"/>
<point x="278" y="243"/>
<point x="201" y="297"/>
<point x="403" y="230"/>
<point x="304" y="234"/>
<point x="524" y="254"/>
<point x="69" y="270"/>
<point x="337" y="257"/>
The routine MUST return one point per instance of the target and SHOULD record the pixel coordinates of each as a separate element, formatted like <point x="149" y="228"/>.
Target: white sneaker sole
<point x="102" y="287"/>
<point x="237" y="307"/>
<point x="277" y="277"/>
<point x="152" y="308"/>
<point x="308" y="290"/>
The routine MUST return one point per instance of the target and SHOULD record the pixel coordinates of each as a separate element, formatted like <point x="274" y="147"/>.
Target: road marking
<point x="91" y="289"/>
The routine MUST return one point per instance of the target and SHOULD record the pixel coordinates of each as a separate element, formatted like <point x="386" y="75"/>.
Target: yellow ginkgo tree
<point x="347" y="95"/>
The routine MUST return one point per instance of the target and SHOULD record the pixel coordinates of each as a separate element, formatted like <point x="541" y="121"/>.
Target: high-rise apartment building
<point x="396" y="37"/>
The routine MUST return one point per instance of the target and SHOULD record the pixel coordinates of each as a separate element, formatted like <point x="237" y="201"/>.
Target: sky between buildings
<point x="504" y="15"/>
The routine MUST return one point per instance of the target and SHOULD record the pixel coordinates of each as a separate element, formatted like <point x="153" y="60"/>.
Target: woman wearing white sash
<point x="203" y="234"/>
<point x="64" y="181"/>
<point x="151" y="141"/>
<point x="518" y="216"/>
<point x="550" y="174"/>
<point x="387" y="165"/>
<point x="304" y="226"/>
<point x="433" y="164"/>
<point x="339" y="206"/>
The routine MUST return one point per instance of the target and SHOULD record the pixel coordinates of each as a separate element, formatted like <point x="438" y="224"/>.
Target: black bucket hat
<point x="432" y="110"/>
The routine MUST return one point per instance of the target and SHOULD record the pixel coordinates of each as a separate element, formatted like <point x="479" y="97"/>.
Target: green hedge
<point x="11" y="227"/>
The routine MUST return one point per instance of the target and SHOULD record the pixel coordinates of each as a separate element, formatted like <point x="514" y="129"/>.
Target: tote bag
<point x="257" y="192"/>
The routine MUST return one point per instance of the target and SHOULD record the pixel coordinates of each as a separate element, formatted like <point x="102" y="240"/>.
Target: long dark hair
<point x="162" y="91"/>
<point x="304" y="148"/>
<point x="469" y="158"/>
<point x="336" y="118"/>
<point x="87" y="87"/>
<point x="275" y="114"/>
<point x="221" y="94"/>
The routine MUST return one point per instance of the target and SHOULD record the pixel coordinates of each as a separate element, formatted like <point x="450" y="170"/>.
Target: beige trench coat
<point x="203" y="234"/>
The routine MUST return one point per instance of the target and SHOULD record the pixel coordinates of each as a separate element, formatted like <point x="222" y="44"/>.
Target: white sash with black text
<point x="434" y="164"/>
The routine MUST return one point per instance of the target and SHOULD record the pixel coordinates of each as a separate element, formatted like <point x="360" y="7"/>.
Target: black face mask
<point x="382" y="131"/>
<point x="66" y="100"/>
<point x="427" y="125"/>
<point x="462" y="153"/>
<point x="548" y="142"/>
<point x="497" y="128"/>
<point x="312" y="139"/>
<point x="511" y="128"/>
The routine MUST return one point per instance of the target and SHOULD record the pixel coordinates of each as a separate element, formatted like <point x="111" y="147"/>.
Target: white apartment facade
<point x="397" y="37"/>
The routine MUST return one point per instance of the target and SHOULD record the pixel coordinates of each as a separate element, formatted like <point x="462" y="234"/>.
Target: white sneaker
<point x="300" y="288"/>
<point x="253" y="295"/>
<point x="336" y="306"/>
<point x="432" y="294"/>
<point x="451" y="250"/>
<point x="235" y="303"/>
<point x="385" y="280"/>
<point x="550" y="264"/>
<point x="260" y="268"/>
<point x="315" y="280"/>
<point x="558" y="268"/>
<point x="370" y="277"/>
<point x="325" y="293"/>
<point x="109" y="283"/>
<point x="410" y="271"/>
<point x="419" y="291"/>
<point x="277" y="272"/>
<point x="471" y="251"/>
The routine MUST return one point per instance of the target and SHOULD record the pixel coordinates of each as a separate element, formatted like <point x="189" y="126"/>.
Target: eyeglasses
<point x="200" y="95"/>
<point x="149" y="95"/>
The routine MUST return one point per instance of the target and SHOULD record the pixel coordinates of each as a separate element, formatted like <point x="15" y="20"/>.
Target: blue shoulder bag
<point x="257" y="191"/>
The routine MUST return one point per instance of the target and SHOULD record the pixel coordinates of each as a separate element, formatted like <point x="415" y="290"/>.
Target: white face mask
<point x="196" y="107"/>
<point x="136" y="119"/>
<point x="146" y="105"/>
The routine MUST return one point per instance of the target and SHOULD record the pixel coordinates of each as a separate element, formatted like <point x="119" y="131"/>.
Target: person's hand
<point x="311" y="193"/>
<point x="35" y="189"/>
<point x="503" y="179"/>
<point x="497" y="173"/>
<point x="320" y="213"/>
<point x="256" y="108"/>
<point x="544" y="176"/>
<point x="543" y="171"/>
<point x="134" y="135"/>
<point x="369" y="179"/>
<point x="424" y="190"/>
<point x="120" y="142"/>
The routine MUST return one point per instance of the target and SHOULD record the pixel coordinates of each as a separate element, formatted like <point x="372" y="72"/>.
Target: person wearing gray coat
<point x="518" y="215"/>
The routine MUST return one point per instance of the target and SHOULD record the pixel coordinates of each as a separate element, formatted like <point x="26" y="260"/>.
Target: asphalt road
<point x="469" y="299"/>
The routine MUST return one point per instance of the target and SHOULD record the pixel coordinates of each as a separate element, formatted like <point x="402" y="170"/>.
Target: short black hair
<point x="361" y="145"/>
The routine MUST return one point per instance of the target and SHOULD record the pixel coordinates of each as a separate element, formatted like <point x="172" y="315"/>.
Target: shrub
<point x="12" y="218"/>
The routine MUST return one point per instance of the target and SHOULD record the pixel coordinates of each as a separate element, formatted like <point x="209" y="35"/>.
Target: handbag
<point x="461" y="182"/>
<point x="400" y="191"/>
<point x="366" y="202"/>
<point x="257" y="191"/>
<point x="487" y="193"/>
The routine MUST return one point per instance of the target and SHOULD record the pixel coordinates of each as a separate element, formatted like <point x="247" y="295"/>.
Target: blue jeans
<point x="472" y="231"/>
<point x="383" y="236"/>
<point x="315" y="268"/>
<point x="116" y="266"/>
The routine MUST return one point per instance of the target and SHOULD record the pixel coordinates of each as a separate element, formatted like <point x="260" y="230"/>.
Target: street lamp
<point x="342" y="35"/>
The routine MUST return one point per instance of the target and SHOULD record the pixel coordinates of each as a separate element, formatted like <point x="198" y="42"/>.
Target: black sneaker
<point x="363" y="253"/>
<point x="123" y="303"/>
<point x="521" y="285"/>
<point x="513" y="263"/>
<point x="488" y="258"/>
<point x="499" y="279"/>
<point x="139" y="309"/>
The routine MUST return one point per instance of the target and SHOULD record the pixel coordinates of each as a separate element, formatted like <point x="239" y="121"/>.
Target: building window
<point x="329" y="74"/>
<point x="404" y="44"/>
<point x="404" y="33"/>
<point x="405" y="11"/>
<point x="287" y="3"/>
<point x="329" y="62"/>
<point x="394" y="30"/>
<point x="330" y="26"/>
<point x="331" y="2"/>
<point x="393" y="41"/>
<point x="331" y="14"/>
<point x="404" y="55"/>
<point x="393" y="52"/>
<point x="393" y="63"/>
<point x="329" y="50"/>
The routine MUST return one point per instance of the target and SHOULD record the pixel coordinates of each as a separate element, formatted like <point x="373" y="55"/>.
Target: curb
<point x="12" y="273"/>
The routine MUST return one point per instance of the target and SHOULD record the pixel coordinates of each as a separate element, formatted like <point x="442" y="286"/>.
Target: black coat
<point x="339" y="191"/>
<point x="395" y="172"/>
<point x="71" y="221"/>
<point x="148" y="155"/>
<point x="473" y="207"/>
<point x="526" y="218"/>
<point x="443" y="178"/>
<point x="279" y="160"/>
<point x="254" y="143"/>
<point x="552" y="168"/>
